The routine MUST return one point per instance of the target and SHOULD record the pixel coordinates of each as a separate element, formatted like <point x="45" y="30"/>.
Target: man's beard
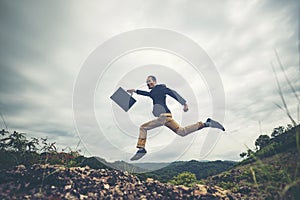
<point x="149" y="86"/>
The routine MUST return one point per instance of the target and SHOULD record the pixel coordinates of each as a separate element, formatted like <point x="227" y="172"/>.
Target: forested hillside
<point x="272" y="171"/>
<point x="200" y="169"/>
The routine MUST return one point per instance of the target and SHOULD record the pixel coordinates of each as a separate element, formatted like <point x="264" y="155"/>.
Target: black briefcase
<point x="123" y="99"/>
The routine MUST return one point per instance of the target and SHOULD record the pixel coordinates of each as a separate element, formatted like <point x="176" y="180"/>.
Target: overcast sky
<point x="45" y="44"/>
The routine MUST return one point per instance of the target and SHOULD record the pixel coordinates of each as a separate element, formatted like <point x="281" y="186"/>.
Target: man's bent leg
<point x="183" y="131"/>
<point x="148" y="126"/>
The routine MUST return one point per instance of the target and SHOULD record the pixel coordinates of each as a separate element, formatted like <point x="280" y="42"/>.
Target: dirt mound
<point x="58" y="182"/>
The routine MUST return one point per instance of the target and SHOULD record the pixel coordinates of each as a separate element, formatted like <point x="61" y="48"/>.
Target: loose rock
<point x="57" y="182"/>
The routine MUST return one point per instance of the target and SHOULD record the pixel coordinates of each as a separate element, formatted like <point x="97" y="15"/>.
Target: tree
<point x="262" y="141"/>
<point x="278" y="131"/>
<point x="243" y="154"/>
<point x="185" y="178"/>
<point x="289" y="127"/>
<point x="249" y="152"/>
<point x="17" y="142"/>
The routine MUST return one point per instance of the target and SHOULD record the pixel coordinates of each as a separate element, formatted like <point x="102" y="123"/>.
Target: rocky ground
<point x="58" y="182"/>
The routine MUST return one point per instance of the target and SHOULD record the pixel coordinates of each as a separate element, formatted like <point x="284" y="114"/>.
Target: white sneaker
<point x="213" y="124"/>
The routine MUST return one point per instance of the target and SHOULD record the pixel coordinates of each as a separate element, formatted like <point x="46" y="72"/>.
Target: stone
<point x="82" y="197"/>
<point x="68" y="187"/>
<point x="149" y="180"/>
<point x="184" y="188"/>
<point x="106" y="186"/>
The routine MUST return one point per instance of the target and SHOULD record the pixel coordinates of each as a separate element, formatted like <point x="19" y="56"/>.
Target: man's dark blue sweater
<point x="158" y="95"/>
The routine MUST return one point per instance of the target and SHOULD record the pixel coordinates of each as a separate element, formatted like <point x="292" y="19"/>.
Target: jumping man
<point x="164" y="117"/>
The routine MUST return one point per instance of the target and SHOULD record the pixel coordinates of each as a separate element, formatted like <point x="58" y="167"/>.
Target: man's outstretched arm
<point x="141" y="92"/>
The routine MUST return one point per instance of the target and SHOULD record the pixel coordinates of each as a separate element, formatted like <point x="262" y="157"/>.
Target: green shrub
<point x="185" y="178"/>
<point x="16" y="149"/>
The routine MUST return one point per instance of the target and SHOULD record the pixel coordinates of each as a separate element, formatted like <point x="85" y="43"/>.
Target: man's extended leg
<point x="183" y="131"/>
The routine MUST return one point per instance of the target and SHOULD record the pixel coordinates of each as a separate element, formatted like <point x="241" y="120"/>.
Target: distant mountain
<point x="200" y="169"/>
<point x="92" y="162"/>
<point x="160" y="171"/>
<point x="100" y="163"/>
<point x="151" y="166"/>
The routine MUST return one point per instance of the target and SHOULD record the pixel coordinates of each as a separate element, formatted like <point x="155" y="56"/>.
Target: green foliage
<point x="278" y="131"/>
<point x="185" y="178"/>
<point x="48" y="147"/>
<point x="233" y="186"/>
<point x="265" y="177"/>
<point x="17" y="142"/>
<point x="16" y="149"/>
<point x="262" y="141"/>
<point x="280" y="142"/>
<point x="272" y="171"/>
<point x="243" y="154"/>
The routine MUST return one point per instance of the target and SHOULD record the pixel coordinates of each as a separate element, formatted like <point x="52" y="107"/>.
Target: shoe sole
<point x="215" y="124"/>
<point x="137" y="156"/>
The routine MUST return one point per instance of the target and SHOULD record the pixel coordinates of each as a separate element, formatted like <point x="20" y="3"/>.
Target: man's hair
<point x="153" y="77"/>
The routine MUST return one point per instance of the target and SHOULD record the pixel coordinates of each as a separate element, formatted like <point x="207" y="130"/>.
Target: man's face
<point x="150" y="83"/>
